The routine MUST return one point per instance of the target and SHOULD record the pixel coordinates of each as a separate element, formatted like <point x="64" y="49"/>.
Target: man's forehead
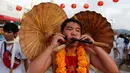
<point x="73" y="24"/>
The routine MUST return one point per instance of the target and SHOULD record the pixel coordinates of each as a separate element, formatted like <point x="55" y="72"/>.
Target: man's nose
<point x="73" y="33"/>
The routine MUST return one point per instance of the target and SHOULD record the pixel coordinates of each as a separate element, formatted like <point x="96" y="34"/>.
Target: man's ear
<point x="15" y="35"/>
<point x="61" y="32"/>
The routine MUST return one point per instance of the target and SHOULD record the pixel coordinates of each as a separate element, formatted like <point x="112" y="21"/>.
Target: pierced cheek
<point x="68" y="36"/>
<point x="78" y="37"/>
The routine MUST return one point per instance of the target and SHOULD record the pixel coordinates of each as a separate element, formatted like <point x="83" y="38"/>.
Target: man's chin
<point x="74" y="44"/>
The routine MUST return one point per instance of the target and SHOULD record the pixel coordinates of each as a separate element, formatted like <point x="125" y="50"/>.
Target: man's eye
<point x="78" y="30"/>
<point x="8" y="31"/>
<point x="69" y="28"/>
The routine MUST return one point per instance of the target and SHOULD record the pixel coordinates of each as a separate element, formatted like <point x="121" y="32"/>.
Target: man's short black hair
<point x="70" y="20"/>
<point x="10" y="27"/>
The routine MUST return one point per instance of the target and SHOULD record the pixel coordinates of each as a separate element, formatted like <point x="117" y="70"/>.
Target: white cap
<point x="11" y="21"/>
<point x="1" y="25"/>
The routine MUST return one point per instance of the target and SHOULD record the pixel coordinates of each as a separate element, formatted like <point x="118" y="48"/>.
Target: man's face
<point x="1" y="30"/>
<point x="72" y="30"/>
<point x="9" y="36"/>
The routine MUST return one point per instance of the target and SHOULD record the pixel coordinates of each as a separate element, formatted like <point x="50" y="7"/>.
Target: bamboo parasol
<point x="97" y="27"/>
<point x="38" y="26"/>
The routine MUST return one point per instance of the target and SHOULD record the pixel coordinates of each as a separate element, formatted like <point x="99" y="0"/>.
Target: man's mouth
<point x="69" y="39"/>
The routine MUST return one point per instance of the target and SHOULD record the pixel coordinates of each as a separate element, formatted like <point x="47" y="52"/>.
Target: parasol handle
<point x="94" y="43"/>
<point x="11" y="70"/>
<point x="101" y="45"/>
<point x="59" y="47"/>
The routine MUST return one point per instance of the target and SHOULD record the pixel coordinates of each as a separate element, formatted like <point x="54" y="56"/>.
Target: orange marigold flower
<point x="61" y="70"/>
<point x="81" y="70"/>
<point x="81" y="58"/>
<point x="82" y="61"/>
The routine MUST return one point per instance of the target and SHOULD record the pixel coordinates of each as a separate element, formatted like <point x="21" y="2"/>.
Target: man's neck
<point x="71" y="51"/>
<point x="9" y="40"/>
<point x="8" y="44"/>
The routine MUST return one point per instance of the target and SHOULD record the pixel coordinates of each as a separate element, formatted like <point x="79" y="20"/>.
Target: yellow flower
<point x="82" y="61"/>
<point x="81" y="70"/>
<point x="81" y="58"/>
<point x="61" y="70"/>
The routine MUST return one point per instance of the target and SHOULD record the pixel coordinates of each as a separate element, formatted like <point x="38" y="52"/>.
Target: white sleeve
<point x="22" y="55"/>
<point x="128" y="46"/>
<point x="20" y="51"/>
<point x="1" y="50"/>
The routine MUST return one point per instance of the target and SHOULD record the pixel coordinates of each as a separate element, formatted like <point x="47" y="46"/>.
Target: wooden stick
<point x="101" y="45"/>
<point x="11" y="70"/>
<point x="94" y="43"/>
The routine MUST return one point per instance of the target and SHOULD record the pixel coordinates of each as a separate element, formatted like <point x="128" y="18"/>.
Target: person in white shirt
<point x="114" y="52"/>
<point x="120" y="45"/>
<point x="128" y="54"/>
<point x="6" y="47"/>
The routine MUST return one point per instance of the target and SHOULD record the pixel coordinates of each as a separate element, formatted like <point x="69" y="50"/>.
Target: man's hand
<point x="89" y="47"/>
<point x="57" y="37"/>
<point x="87" y="37"/>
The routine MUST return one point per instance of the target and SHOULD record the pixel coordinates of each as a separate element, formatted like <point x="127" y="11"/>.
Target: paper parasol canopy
<point x="97" y="27"/>
<point x="38" y="26"/>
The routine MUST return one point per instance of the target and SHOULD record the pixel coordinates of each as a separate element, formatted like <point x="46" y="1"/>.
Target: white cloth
<point x="114" y="46"/>
<point x="120" y="46"/>
<point x="18" y="54"/>
<point x="120" y="42"/>
<point x="112" y="51"/>
<point x="112" y="54"/>
<point x="128" y="48"/>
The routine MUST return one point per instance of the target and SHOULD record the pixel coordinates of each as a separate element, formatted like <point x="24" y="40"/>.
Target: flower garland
<point x="82" y="61"/>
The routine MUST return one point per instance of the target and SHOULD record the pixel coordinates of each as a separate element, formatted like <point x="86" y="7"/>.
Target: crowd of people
<point x="121" y="49"/>
<point x="70" y="28"/>
<point x="120" y="52"/>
